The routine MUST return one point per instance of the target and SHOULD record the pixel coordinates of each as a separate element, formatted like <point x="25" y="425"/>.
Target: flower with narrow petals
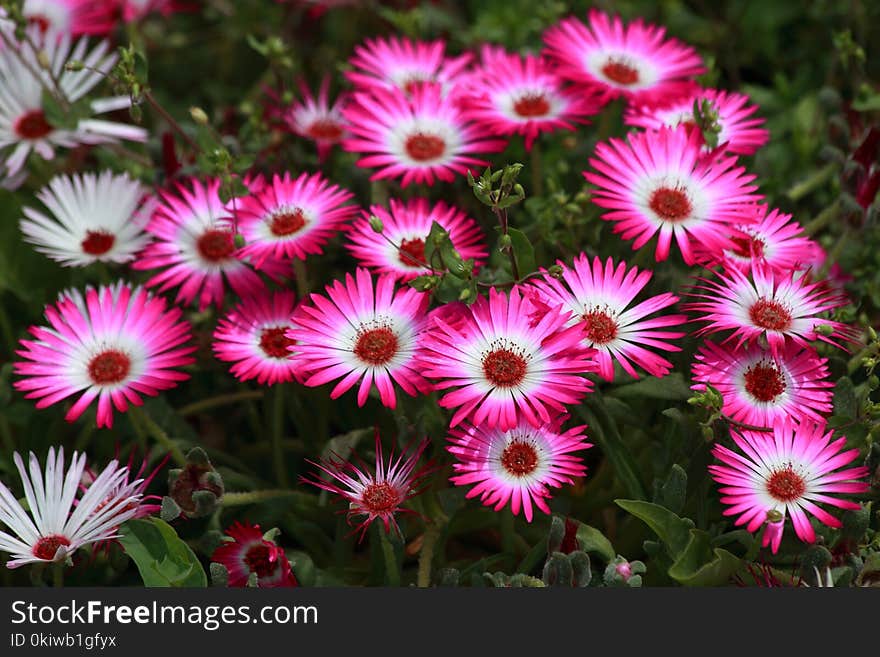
<point x="521" y="95"/>
<point x="598" y="298"/>
<point x="762" y="390"/>
<point x="76" y="17"/>
<point x="135" y="10"/>
<point x="738" y="131"/>
<point x="195" y="247"/>
<point x="418" y="136"/>
<point x="253" y="337"/>
<point x="501" y="366"/>
<point x="378" y="494"/>
<point x="91" y="219"/>
<point x="775" y="242"/>
<point x="358" y="333"/>
<point x="784" y="474"/>
<point x="658" y="183"/>
<point x="58" y="522"/>
<point x="24" y="127"/>
<point x="246" y="551"/>
<point x="290" y="218"/>
<point x="760" y="304"/>
<point x="635" y="61"/>
<point x="113" y="344"/>
<point x="400" y="248"/>
<point x="397" y="63"/>
<point x="518" y="466"/>
<point x="318" y="120"/>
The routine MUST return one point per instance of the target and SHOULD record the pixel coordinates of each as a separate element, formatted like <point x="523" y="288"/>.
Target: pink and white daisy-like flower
<point x="418" y="136"/>
<point x="24" y="127"/>
<point x="597" y="297"/>
<point x="740" y="133"/>
<point x="378" y="494"/>
<point x="91" y="219"/>
<point x="775" y="308"/>
<point x="253" y="337"/>
<point x="775" y="242"/>
<point x="762" y="390"/>
<point x="195" y="247"/>
<point x="521" y="95"/>
<point x="58" y="523"/>
<point x="361" y="334"/>
<point x="134" y="10"/>
<point x="246" y="551"/>
<point x="785" y="474"/>
<point x="113" y="344"/>
<point x="285" y="218"/>
<point x="140" y="480"/>
<point x="502" y="366"/>
<point x="76" y="17"/>
<point x="396" y="63"/>
<point x="518" y="466"/>
<point x="658" y="183"/>
<point x="318" y="120"/>
<point x="635" y="61"/>
<point x="400" y="249"/>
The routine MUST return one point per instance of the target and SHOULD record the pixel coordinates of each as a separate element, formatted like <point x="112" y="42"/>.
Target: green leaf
<point x="674" y="489"/>
<point x="592" y="540"/>
<point x="163" y="560"/>
<point x="672" y="387"/>
<point x="603" y="430"/>
<point x="672" y="530"/>
<point x="701" y="565"/>
<point x="522" y="251"/>
<point x="845" y="402"/>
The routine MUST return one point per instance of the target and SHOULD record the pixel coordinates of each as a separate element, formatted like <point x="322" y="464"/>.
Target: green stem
<point x="392" y="571"/>
<point x="219" y="400"/>
<point x="426" y="554"/>
<point x="172" y="122"/>
<point x="822" y="219"/>
<point x="816" y="180"/>
<point x="834" y="253"/>
<point x="278" y="435"/>
<point x="159" y="434"/>
<point x="302" y="278"/>
<point x="537" y="170"/>
<point x="256" y="496"/>
<point x="58" y="574"/>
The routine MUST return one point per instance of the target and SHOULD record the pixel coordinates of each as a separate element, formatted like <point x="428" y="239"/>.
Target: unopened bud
<point x="824" y="329"/>
<point x="376" y="224"/>
<point x="74" y="65"/>
<point x="555" y="271"/>
<point x="198" y="115"/>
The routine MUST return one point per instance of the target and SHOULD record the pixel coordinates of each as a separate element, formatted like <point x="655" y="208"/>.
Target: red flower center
<point x="519" y="458"/>
<point x="747" y="247"/>
<point x="413" y="80"/>
<point x="380" y="497"/>
<point x="376" y="346"/>
<point x="109" y="367"/>
<point x="770" y="315"/>
<point x="423" y="147"/>
<point x="47" y="546"/>
<point x="325" y="130"/>
<point x="412" y="252"/>
<point x="275" y="343"/>
<point x="764" y="382"/>
<point x="670" y="204"/>
<point x="33" y="125"/>
<point x="287" y="222"/>
<point x="620" y="72"/>
<point x="601" y="328"/>
<point x="786" y="485"/>
<point x="40" y="21"/>
<point x="504" y="368"/>
<point x="259" y="560"/>
<point x="98" y="242"/>
<point x="532" y="105"/>
<point x="215" y="245"/>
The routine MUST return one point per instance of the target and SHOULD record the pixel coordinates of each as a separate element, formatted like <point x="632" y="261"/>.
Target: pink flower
<point x="195" y="247"/>
<point x="417" y="136"/>
<point x="502" y="367"/>
<point x="318" y="120"/>
<point x="362" y="334"/>
<point x="518" y="466"/>
<point x="785" y="474"/>
<point x="400" y="249"/>
<point x="658" y="183"/>
<point x="740" y="133"/>
<point x="779" y="309"/>
<point x="250" y="553"/>
<point x="376" y="495"/>
<point x="634" y="61"/>
<point x="76" y="17"/>
<point x="112" y="344"/>
<point x="253" y="337"/>
<point x="288" y="218"/>
<point x="763" y="390"/>
<point x="516" y="95"/>
<point x="598" y="297"/>
<point x="398" y="64"/>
